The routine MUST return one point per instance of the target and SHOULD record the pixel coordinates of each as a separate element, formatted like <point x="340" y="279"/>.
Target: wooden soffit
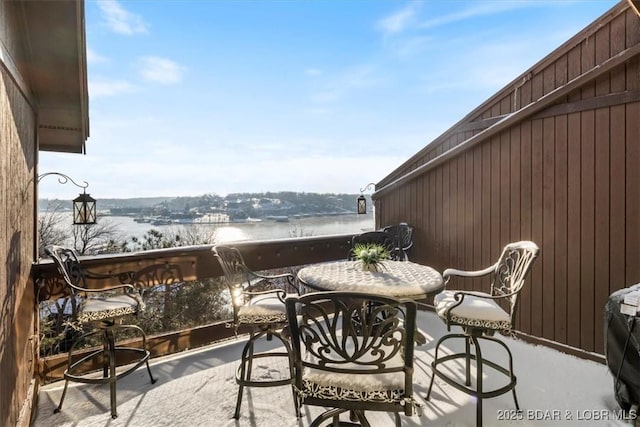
<point x="55" y="66"/>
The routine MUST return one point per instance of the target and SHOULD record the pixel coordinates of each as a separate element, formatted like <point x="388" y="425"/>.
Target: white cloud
<point x="353" y="78"/>
<point x="313" y="72"/>
<point x="120" y="20"/>
<point x="101" y="88"/>
<point x="401" y="20"/>
<point x="160" y="70"/>
<point x="406" y="47"/>
<point x="489" y="8"/>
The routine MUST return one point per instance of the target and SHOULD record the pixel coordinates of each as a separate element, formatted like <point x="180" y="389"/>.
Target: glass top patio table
<point x="400" y="279"/>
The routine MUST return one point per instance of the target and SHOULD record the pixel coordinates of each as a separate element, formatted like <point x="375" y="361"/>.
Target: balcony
<point x="551" y="158"/>
<point x="197" y="387"/>
<point x="195" y="367"/>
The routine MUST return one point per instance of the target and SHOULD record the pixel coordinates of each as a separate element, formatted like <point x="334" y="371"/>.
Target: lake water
<point x="263" y="230"/>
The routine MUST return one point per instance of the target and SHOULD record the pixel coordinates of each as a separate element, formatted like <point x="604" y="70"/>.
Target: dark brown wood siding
<point x="18" y="333"/>
<point x="561" y="170"/>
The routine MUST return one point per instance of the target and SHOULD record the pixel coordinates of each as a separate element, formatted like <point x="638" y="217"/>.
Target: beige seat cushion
<point x="354" y="386"/>
<point x="103" y="308"/>
<point x="474" y="311"/>
<point x="263" y="309"/>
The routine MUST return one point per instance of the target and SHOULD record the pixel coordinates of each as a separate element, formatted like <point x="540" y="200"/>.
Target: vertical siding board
<point x="505" y="105"/>
<point x="632" y="207"/>
<point x="514" y="199"/>
<point x="418" y="225"/>
<point x="574" y="155"/>
<point x="446" y="214"/>
<point x="433" y="207"/>
<point x="603" y="45"/>
<point x="465" y="236"/>
<point x="496" y="243"/>
<point x="413" y="196"/>
<point x="548" y="79"/>
<point x="473" y="178"/>
<point x="485" y="244"/>
<point x="602" y="200"/>
<point x="438" y="210"/>
<point x="525" y="220"/>
<point x="477" y="211"/>
<point x="587" y="239"/>
<point x="617" y="189"/>
<point x="454" y="229"/>
<point x="617" y="33"/>
<point x="574" y="60"/>
<point x="505" y="189"/>
<point x="587" y="58"/>
<point x="632" y="29"/>
<point x="426" y="217"/>
<point x="587" y="250"/>
<point x="632" y="136"/>
<point x="537" y="224"/>
<point x="560" y="223"/>
<point x="548" y="228"/>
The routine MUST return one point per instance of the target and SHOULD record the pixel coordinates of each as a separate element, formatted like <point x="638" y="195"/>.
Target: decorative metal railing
<point x="164" y="277"/>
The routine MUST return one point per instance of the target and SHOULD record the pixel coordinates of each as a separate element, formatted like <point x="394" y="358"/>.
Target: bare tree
<point x="51" y="227"/>
<point x="96" y="238"/>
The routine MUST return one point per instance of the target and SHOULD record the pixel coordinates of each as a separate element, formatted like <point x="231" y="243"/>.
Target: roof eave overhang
<point x="56" y="69"/>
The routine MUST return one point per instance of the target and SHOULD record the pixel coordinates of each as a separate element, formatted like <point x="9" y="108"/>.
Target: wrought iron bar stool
<point x="480" y="316"/>
<point x="403" y="234"/>
<point x="107" y="312"/>
<point x="259" y="306"/>
<point x="353" y="352"/>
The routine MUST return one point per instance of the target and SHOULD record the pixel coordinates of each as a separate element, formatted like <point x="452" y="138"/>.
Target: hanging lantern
<point x="362" y="205"/>
<point x="362" y="202"/>
<point x="84" y="210"/>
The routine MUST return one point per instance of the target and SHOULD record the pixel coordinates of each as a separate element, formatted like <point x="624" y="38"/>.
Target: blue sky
<point x="214" y="96"/>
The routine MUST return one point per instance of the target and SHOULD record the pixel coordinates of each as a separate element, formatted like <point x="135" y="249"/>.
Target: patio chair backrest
<point x="511" y="270"/>
<point x="236" y="273"/>
<point x="68" y="265"/>
<point x="352" y="333"/>
<point x="403" y="235"/>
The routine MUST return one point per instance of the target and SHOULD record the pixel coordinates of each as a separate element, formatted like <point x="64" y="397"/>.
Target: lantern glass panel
<point x="84" y="210"/>
<point x="362" y="205"/>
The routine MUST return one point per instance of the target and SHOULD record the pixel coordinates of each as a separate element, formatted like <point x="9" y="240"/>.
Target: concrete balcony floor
<point x="197" y="388"/>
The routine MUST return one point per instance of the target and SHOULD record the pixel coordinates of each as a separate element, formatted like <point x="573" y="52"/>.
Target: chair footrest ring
<point x="72" y="373"/>
<point x="264" y="382"/>
<point x="455" y="382"/>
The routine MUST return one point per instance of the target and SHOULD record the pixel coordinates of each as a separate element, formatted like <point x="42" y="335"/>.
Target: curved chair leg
<point x="509" y="373"/>
<point x="435" y="359"/>
<point x="467" y="351"/>
<point x="243" y="373"/>
<point x="479" y="389"/>
<point x="111" y="355"/>
<point x="69" y="356"/>
<point x="330" y="414"/>
<point x="144" y="346"/>
<point x="473" y="339"/>
<point x="108" y="355"/>
<point x="64" y="393"/>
